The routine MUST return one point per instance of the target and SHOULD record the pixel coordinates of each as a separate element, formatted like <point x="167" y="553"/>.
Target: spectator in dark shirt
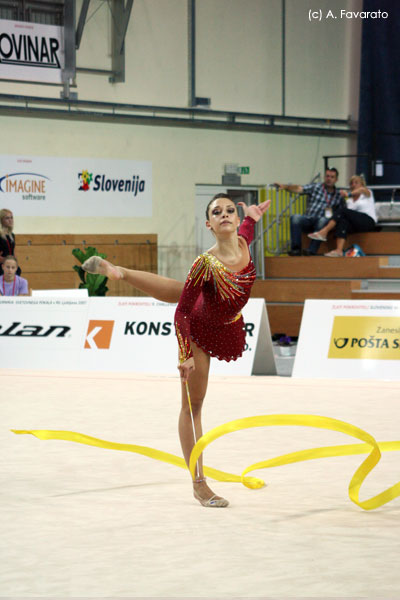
<point x="7" y="238"/>
<point x="323" y="199"/>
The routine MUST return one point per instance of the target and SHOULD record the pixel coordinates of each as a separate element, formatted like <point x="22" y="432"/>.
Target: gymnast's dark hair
<point x="216" y="198"/>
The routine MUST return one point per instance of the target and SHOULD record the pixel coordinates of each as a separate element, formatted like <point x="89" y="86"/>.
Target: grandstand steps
<point x="380" y="285"/>
<point x="375" y="294"/>
<point x="297" y="290"/>
<point x="291" y="280"/>
<point x="372" y="243"/>
<point x="58" y="280"/>
<point x="285" y="318"/>
<point x="330" y="268"/>
<point x="64" y="280"/>
<point x="47" y="261"/>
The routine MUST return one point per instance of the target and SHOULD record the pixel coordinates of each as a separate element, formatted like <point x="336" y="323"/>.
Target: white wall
<point x="238" y="66"/>
<point x="239" y="54"/>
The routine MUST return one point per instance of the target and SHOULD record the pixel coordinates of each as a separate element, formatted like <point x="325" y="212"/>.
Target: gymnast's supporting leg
<point x="156" y="286"/>
<point x="191" y="431"/>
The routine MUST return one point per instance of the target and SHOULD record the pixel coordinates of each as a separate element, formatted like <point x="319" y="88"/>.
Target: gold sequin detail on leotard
<point x="184" y="345"/>
<point x="229" y="285"/>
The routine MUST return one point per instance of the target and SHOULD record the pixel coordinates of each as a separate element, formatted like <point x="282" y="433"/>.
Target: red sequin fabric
<point x="209" y="308"/>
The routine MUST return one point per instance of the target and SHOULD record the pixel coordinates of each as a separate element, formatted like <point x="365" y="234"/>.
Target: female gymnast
<point x="208" y="318"/>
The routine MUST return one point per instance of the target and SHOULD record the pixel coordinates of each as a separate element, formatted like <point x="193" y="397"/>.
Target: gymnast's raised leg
<point x="161" y="288"/>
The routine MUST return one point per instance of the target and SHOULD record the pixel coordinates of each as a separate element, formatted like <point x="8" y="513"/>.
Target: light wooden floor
<point x="83" y="522"/>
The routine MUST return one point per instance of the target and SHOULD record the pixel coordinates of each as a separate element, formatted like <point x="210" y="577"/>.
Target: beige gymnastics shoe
<point x="214" y="501"/>
<point x="97" y="265"/>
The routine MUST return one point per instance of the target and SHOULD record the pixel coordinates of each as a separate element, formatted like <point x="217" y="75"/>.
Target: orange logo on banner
<point x="99" y="334"/>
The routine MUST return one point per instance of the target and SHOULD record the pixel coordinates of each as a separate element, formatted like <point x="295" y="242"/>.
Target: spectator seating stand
<point x="291" y="280"/>
<point x="47" y="261"/>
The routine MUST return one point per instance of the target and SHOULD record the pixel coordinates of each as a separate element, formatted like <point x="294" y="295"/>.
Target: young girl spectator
<point x="12" y="284"/>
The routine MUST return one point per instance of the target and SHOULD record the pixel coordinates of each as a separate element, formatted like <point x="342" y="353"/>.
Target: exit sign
<point x="244" y="170"/>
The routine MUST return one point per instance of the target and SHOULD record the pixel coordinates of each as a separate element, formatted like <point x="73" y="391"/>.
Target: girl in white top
<point x="358" y="215"/>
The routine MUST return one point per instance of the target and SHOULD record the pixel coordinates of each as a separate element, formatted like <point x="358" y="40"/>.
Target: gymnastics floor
<point x="85" y="522"/>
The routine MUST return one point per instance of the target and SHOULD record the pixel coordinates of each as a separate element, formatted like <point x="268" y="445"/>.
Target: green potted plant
<point x="94" y="283"/>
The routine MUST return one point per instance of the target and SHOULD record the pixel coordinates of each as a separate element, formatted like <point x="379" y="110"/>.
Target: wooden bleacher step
<point x="378" y="289"/>
<point x="380" y="285"/>
<point x="285" y="318"/>
<point x="291" y="280"/>
<point x="47" y="261"/>
<point x="297" y="290"/>
<point x="375" y="295"/>
<point x="372" y="243"/>
<point x="330" y="268"/>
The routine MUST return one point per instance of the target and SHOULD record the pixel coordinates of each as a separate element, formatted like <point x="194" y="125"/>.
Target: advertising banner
<point x="67" y="187"/>
<point x="117" y="334"/>
<point x="138" y="334"/>
<point x="42" y="333"/>
<point x="349" y="339"/>
<point x="31" y="52"/>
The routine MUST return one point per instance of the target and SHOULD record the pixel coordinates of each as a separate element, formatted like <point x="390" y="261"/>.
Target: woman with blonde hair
<point x="357" y="216"/>
<point x="7" y="238"/>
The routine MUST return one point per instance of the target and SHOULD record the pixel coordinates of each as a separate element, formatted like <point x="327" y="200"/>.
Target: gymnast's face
<point x="222" y="216"/>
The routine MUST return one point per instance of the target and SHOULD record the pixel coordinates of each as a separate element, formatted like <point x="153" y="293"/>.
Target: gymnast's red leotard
<point x="209" y="307"/>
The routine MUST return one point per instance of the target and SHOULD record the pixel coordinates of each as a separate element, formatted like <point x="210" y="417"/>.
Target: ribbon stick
<point x="370" y="446"/>
<point x="197" y="473"/>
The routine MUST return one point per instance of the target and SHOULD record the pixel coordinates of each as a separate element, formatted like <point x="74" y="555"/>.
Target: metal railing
<point x="387" y="202"/>
<point x="272" y="235"/>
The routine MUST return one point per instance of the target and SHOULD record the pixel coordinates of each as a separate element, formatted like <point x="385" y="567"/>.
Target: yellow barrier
<point x="277" y="219"/>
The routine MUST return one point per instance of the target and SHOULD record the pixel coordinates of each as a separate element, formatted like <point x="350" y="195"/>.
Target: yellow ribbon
<point x="172" y="459"/>
<point x="370" y="446"/>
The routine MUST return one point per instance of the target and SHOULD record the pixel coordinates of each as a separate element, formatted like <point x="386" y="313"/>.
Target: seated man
<point x="323" y="199"/>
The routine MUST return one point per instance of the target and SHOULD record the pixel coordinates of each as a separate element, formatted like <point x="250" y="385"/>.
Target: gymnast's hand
<point x="255" y="211"/>
<point x="186" y="368"/>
